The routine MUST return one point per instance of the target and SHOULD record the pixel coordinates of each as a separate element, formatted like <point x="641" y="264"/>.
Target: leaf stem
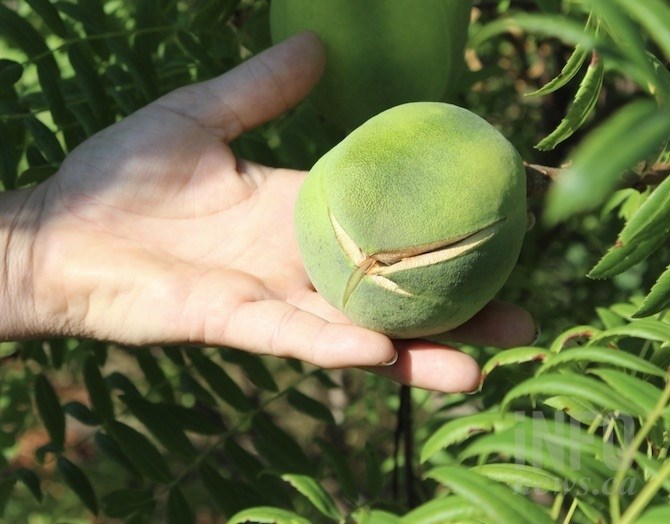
<point x="629" y="456"/>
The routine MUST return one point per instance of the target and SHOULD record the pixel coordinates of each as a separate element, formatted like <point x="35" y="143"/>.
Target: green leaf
<point x="521" y="476"/>
<point x="578" y="409"/>
<point x="629" y="136"/>
<point x="337" y="460"/>
<point x="188" y="384"/>
<point x="45" y="140"/>
<point x="314" y="492"/>
<point x="571" y="68"/>
<point x="162" y="424"/>
<point x="373" y="516"/>
<point x="178" y="509"/>
<point x="253" y="368"/>
<point x="309" y="406"/>
<point x="19" y="31"/>
<point x="267" y="515"/>
<point x="50" y="410"/>
<point x="566" y="30"/>
<point x="374" y="481"/>
<point x="98" y="392"/>
<point x="497" y="502"/>
<point x="82" y="413"/>
<point x="154" y="374"/>
<point x="197" y="420"/>
<point x="50" y="15"/>
<point x="279" y="447"/>
<point x="647" y="229"/>
<point x="573" y="334"/>
<point x="514" y="356"/>
<point x="553" y="445"/>
<point x="460" y="429"/>
<point x="117" y="380"/>
<point x="581" y="107"/>
<point x="646" y="329"/>
<point x="36" y="175"/>
<point x="602" y="355"/>
<point x="78" y="482"/>
<point x="658" y="298"/>
<point x="124" y="503"/>
<point x="217" y="379"/>
<point x="572" y="385"/>
<point x="655" y="515"/>
<point x="111" y="448"/>
<point x="141" y="452"/>
<point x="31" y="481"/>
<point x="444" y="510"/>
<point x="221" y="490"/>
<point x="10" y="73"/>
<point x="640" y="391"/>
<point x="6" y="490"/>
<point x="654" y="16"/>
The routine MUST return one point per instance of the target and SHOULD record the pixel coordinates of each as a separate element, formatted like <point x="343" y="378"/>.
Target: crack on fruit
<point x="378" y="265"/>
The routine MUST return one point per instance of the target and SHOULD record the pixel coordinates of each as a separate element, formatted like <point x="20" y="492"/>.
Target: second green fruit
<point x="380" y="53"/>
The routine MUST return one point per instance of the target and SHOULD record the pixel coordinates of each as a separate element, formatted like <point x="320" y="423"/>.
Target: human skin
<point x="152" y="232"/>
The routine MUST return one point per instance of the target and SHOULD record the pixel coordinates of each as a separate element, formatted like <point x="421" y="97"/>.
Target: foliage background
<point x="83" y="426"/>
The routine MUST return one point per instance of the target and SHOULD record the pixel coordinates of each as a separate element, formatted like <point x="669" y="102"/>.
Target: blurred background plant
<point x="574" y="429"/>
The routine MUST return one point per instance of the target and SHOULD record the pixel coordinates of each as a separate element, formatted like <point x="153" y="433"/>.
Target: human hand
<point x="152" y="232"/>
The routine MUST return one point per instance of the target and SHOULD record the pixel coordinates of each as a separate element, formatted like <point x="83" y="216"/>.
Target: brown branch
<point x="539" y="178"/>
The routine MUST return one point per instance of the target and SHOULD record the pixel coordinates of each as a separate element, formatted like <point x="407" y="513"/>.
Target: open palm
<point x="153" y="232"/>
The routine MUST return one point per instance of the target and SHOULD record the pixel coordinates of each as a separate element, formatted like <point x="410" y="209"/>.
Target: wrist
<point x="20" y="213"/>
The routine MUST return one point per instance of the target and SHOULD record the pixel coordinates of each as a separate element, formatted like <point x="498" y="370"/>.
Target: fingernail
<point x="392" y="361"/>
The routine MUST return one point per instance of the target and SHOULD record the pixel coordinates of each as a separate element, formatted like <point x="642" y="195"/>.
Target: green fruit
<point x="380" y="53"/>
<point x="415" y="220"/>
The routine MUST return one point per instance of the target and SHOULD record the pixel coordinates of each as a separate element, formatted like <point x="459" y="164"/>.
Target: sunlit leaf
<point x="572" y="385"/>
<point x="462" y="428"/>
<point x="658" y="298"/>
<point x="444" y="510"/>
<point x="571" y="68"/>
<point x="602" y="355"/>
<point x="496" y="501"/>
<point x="521" y="476"/>
<point x="580" y="108"/>
<point x="267" y="515"/>
<point x="514" y="356"/>
<point x="314" y="492"/>
<point x="647" y="329"/>
<point x="624" y="139"/>
<point x="647" y="230"/>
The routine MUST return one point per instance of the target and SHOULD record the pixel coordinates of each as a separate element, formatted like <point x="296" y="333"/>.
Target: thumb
<point x="263" y="87"/>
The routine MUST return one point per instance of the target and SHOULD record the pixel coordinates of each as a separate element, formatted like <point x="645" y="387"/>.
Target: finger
<point x="431" y="366"/>
<point x="277" y="328"/>
<point x="256" y="91"/>
<point x="498" y="324"/>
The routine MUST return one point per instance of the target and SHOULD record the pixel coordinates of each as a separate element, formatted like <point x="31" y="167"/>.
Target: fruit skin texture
<point x="420" y="174"/>
<point x="380" y="53"/>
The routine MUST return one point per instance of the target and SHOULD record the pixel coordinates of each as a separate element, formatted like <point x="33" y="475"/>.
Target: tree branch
<point x="539" y="177"/>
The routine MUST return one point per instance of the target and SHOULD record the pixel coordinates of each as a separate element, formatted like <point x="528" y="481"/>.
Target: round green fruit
<point x="415" y="220"/>
<point x="380" y="53"/>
